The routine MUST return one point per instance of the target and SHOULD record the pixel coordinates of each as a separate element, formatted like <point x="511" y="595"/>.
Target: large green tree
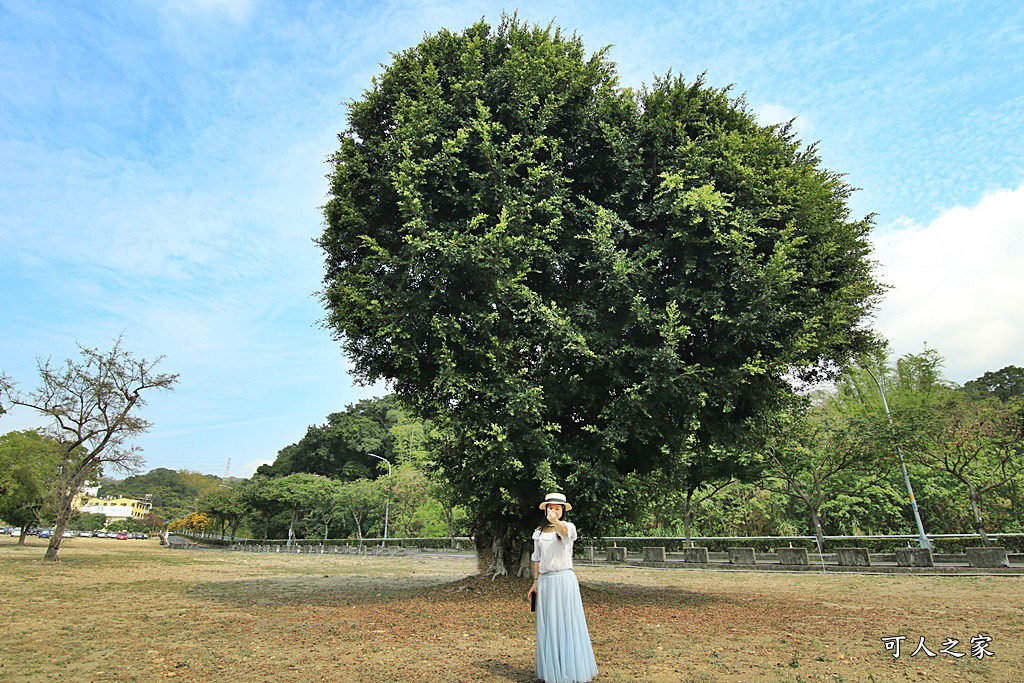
<point x="1003" y="384"/>
<point x="262" y="501"/>
<point x="978" y="441"/>
<point x="811" y="455"/>
<point x="225" y="505"/>
<point x="28" y="468"/>
<point x="339" y="448"/>
<point x="578" y="281"/>
<point x="357" y="500"/>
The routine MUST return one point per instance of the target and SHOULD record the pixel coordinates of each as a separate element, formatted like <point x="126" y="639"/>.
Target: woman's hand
<point x="554" y="516"/>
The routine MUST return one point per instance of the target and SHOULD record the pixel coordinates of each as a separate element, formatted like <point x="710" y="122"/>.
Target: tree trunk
<point x="24" y="534"/>
<point x="449" y="517"/>
<point x="503" y="554"/>
<point x="291" y="527"/>
<point x="63" y="515"/>
<point x="818" y="533"/>
<point x="687" y="516"/>
<point x="979" y="524"/>
<point x="359" y="527"/>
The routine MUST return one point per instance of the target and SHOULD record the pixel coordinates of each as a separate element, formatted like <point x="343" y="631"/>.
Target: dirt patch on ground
<point x="132" y="611"/>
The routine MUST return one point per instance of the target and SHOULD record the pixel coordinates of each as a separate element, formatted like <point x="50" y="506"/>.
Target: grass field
<point x="114" y="612"/>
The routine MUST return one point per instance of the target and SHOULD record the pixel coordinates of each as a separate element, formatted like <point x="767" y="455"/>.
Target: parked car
<point x="45" y="533"/>
<point x="16" y="531"/>
<point x="140" y="535"/>
<point x="122" y="536"/>
<point x="68" y="533"/>
<point x="85" y="534"/>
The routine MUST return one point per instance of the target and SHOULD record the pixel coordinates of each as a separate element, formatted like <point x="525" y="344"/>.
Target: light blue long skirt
<point x="564" y="654"/>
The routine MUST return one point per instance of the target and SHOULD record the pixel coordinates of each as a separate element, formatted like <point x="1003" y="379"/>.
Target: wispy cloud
<point x="956" y="285"/>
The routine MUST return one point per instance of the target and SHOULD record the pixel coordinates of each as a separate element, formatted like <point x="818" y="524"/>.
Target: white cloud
<point x="249" y="468"/>
<point x="769" y="113"/>
<point x="957" y="285"/>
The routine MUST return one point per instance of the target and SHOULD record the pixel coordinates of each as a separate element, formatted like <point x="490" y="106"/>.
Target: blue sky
<point x="162" y="165"/>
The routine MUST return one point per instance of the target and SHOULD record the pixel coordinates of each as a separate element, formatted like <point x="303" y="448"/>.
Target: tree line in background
<point x="326" y="485"/>
<point x="829" y="467"/>
<point x="830" y="463"/>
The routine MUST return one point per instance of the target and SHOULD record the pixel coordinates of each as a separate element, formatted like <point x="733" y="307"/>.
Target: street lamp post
<point x="387" y="500"/>
<point x="922" y="538"/>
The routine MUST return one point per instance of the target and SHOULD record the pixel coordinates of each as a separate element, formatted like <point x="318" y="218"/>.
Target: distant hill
<point x="175" y="492"/>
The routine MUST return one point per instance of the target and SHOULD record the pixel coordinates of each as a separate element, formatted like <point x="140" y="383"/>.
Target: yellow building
<point x="85" y="494"/>
<point x="118" y="508"/>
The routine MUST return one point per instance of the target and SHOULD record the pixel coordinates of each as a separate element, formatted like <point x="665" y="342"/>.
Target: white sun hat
<point x="558" y="498"/>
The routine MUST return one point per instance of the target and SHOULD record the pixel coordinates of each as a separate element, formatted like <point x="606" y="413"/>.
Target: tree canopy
<point x="339" y="448"/>
<point x="1004" y="384"/>
<point x="578" y="281"/>
<point x="28" y="467"/>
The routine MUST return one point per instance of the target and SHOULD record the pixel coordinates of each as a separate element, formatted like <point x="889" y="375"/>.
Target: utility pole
<point x="922" y="538"/>
<point x="387" y="500"/>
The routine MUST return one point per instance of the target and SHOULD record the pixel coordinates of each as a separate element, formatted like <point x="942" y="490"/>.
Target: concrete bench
<point x="695" y="555"/>
<point x="914" y="557"/>
<point x="853" y="557"/>
<point x="744" y="556"/>
<point x="178" y="545"/>
<point x="987" y="557"/>
<point x="616" y="554"/>
<point x="654" y="553"/>
<point x="792" y="556"/>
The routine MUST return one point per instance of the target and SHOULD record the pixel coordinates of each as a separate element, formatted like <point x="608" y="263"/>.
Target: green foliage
<point x="408" y="492"/>
<point x="1003" y="384"/>
<point x="818" y="454"/>
<point x="176" y="493"/>
<point x="574" y="281"/>
<point x="262" y="502"/>
<point x="357" y="502"/>
<point x="224" y="504"/>
<point x="339" y="448"/>
<point x="88" y="521"/>
<point x="28" y="467"/>
<point x="976" y="441"/>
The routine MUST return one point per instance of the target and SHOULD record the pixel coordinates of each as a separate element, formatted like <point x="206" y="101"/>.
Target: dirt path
<point x="132" y="611"/>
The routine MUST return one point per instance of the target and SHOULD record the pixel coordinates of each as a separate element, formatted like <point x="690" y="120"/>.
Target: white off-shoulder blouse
<point x="552" y="550"/>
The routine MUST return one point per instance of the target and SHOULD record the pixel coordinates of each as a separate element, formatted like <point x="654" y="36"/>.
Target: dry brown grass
<point x="132" y="611"/>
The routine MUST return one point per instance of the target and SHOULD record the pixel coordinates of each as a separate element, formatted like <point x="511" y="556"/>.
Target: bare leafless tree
<point x="93" y="404"/>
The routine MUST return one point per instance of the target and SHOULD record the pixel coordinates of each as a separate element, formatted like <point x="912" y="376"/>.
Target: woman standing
<point x="564" y="654"/>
